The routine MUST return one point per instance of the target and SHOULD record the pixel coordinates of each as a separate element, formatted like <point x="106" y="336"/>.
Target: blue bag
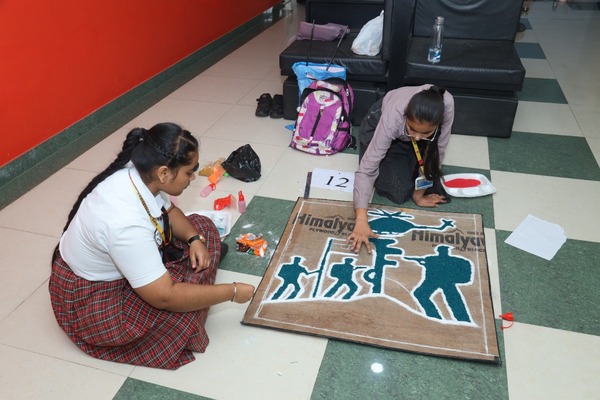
<point x="308" y="72"/>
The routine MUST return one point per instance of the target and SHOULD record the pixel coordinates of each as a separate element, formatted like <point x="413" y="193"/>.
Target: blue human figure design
<point x="443" y="272"/>
<point x="382" y="248"/>
<point x="290" y="274"/>
<point x="344" y="273"/>
<point x="397" y="224"/>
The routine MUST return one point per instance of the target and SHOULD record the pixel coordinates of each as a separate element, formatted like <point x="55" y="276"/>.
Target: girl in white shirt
<point x="133" y="277"/>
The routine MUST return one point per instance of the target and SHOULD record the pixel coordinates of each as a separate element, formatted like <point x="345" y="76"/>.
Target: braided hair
<point x="163" y="144"/>
<point x="428" y="106"/>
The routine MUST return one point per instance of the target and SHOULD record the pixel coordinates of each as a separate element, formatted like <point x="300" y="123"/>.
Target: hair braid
<point x="164" y="144"/>
<point x="133" y="139"/>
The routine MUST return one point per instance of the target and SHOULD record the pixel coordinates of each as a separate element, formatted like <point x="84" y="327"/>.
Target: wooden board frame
<point x="424" y="288"/>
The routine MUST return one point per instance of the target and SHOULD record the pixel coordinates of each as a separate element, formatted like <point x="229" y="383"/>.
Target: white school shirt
<point x="111" y="237"/>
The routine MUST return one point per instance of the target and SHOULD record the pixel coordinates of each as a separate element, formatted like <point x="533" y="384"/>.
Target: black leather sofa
<point x="479" y="65"/>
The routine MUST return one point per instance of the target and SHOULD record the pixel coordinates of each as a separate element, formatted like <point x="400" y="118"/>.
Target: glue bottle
<point x="241" y="202"/>
<point x="206" y="191"/>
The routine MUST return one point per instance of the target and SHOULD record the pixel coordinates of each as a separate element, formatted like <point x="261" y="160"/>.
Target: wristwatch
<point x="197" y="237"/>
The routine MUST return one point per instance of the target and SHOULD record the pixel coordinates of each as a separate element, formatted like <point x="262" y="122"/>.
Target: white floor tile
<point x="272" y="87"/>
<point x="214" y="89"/>
<point x="467" y="151"/>
<point x="544" y="363"/>
<point x="288" y="179"/>
<point x="581" y="90"/>
<point x="588" y="118"/>
<point x="536" y="68"/>
<point x="195" y="116"/>
<point x="45" y="208"/>
<point x="240" y="124"/>
<point x="263" y="47"/>
<point x="557" y="119"/>
<point x="101" y="155"/>
<point x="566" y="202"/>
<point x="32" y="327"/>
<point x="246" y="68"/>
<point x="35" y="376"/>
<point x="25" y="264"/>
<point x="264" y="363"/>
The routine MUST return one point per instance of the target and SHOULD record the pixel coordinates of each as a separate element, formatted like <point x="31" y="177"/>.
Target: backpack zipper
<point x="312" y="134"/>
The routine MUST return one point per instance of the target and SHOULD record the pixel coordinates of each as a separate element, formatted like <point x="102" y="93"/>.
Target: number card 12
<point x="332" y="180"/>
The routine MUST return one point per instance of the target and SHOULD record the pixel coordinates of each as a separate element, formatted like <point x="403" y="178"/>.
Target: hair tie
<point x="438" y="90"/>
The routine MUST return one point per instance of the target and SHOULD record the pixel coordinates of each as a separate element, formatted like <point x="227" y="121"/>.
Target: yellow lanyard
<point x="418" y="155"/>
<point x="154" y="221"/>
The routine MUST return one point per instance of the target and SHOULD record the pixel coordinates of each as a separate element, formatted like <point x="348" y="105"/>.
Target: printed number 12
<point x="341" y="184"/>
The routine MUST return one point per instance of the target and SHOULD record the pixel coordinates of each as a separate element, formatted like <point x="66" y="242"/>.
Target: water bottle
<point x="437" y="35"/>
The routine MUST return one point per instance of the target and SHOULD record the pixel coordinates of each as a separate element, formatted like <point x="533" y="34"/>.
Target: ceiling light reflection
<point x="377" y="368"/>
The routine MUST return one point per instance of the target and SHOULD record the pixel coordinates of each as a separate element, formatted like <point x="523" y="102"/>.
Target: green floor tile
<point x="133" y="389"/>
<point x="264" y="216"/>
<point x="468" y="205"/>
<point x="552" y="155"/>
<point x="561" y="293"/>
<point x="542" y="90"/>
<point x="346" y="373"/>
<point x="529" y="50"/>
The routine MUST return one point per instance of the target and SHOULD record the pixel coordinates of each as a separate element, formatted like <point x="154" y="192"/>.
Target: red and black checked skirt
<point x="109" y="321"/>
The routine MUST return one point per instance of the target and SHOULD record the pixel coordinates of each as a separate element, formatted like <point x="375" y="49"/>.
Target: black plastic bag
<point x="243" y="164"/>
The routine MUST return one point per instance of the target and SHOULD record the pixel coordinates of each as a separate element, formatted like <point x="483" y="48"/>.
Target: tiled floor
<point x="549" y="168"/>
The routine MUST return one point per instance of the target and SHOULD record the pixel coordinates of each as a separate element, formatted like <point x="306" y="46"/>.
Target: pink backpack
<point x="324" y="120"/>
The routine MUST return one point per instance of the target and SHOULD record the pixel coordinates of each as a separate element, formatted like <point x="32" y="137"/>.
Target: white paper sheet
<point x="332" y="180"/>
<point x="537" y="236"/>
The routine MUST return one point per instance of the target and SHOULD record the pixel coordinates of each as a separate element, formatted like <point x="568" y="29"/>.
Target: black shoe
<point x="263" y="109"/>
<point x="224" y="250"/>
<point x="277" y="107"/>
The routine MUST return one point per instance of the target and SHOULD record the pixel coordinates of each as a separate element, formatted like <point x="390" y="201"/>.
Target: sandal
<point x="263" y="109"/>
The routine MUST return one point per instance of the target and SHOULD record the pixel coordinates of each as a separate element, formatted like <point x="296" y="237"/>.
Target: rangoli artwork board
<point x="424" y="288"/>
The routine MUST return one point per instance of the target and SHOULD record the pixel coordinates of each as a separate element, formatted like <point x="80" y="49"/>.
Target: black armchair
<point x="479" y="65"/>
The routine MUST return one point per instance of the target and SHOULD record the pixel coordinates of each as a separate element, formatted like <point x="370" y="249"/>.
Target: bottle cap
<point x="241" y="196"/>
<point x="439" y="20"/>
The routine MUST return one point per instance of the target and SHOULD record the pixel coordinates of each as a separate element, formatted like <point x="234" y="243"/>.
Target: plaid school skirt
<point x="109" y="321"/>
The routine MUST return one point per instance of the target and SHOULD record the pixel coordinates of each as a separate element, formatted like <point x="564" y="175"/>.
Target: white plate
<point x="222" y="220"/>
<point x="483" y="189"/>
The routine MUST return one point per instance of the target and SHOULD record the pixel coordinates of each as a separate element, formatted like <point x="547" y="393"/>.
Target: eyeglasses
<point x="422" y="135"/>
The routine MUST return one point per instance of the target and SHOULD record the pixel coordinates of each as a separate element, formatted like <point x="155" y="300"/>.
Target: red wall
<point x="62" y="60"/>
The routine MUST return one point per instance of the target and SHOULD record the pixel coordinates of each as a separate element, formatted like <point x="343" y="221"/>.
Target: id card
<point x="422" y="183"/>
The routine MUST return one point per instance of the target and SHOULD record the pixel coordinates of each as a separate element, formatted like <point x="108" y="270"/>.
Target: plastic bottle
<point x="206" y="191"/>
<point x="217" y="173"/>
<point x="241" y="202"/>
<point x="437" y="36"/>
